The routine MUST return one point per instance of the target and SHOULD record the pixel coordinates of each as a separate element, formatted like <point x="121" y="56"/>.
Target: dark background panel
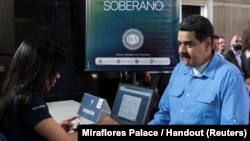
<point x="59" y="20"/>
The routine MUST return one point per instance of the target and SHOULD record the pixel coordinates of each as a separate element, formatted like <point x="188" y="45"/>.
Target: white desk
<point x="61" y="110"/>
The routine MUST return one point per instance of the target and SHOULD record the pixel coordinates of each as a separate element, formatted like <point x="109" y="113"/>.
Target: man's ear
<point x="208" y="42"/>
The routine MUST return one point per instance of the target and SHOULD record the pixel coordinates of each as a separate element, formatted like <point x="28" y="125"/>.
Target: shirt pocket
<point x="206" y="97"/>
<point x="207" y="107"/>
<point x="175" y="99"/>
<point x="176" y="92"/>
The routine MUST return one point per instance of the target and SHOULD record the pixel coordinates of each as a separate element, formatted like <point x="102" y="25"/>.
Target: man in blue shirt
<point x="204" y="88"/>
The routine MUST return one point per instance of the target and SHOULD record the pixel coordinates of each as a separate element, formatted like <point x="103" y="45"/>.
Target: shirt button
<point x="182" y="110"/>
<point x="234" y="120"/>
<point x="187" y="94"/>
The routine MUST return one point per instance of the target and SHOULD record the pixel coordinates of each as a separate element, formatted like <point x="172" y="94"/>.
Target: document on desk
<point x="61" y="110"/>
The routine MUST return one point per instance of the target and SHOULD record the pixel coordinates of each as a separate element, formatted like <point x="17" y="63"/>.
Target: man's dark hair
<point x="200" y="25"/>
<point x="216" y="36"/>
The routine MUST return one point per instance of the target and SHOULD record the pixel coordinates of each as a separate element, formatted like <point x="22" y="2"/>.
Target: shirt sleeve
<point x="162" y="117"/>
<point x="36" y="111"/>
<point x="235" y="102"/>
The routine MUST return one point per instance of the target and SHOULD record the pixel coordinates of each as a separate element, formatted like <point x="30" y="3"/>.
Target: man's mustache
<point x="185" y="55"/>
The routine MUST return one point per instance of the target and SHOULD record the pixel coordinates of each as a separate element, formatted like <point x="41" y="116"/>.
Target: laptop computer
<point x="131" y="104"/>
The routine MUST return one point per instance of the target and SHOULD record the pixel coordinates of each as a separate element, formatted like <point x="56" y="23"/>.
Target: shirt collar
<point x="200" y="69"/>
<point x="209" y="69"/>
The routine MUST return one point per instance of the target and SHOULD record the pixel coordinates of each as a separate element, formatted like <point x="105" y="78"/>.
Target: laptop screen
<point x="132" y="103"/>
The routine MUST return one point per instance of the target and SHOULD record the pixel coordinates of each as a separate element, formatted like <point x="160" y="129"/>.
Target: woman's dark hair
<point x="35" y="60"/>
<point x="200" y="25"/>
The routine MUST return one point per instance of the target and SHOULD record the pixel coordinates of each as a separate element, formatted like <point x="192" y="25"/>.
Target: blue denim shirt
<point x="216" y="96"/>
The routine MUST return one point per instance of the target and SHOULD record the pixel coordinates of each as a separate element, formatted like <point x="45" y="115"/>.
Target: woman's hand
<point x="107" y="121"/>
<point x="67" y="124"/>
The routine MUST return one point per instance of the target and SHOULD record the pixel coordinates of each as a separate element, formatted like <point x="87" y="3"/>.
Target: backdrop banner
<point x="132" y="35"/>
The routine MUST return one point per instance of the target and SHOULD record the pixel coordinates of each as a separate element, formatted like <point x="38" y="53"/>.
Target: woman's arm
<point x="52" y="131"/>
